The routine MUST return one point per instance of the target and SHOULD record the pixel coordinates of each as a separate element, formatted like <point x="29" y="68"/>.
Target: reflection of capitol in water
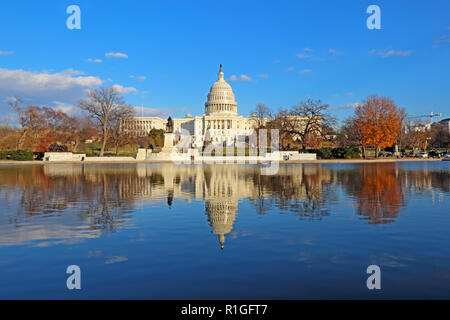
<point x="99" y="191"/>
<point x="83" y="201"/>
<point x="221" y="187"/>
<point x="221" y="197"/>
<point x="221" y="216"/>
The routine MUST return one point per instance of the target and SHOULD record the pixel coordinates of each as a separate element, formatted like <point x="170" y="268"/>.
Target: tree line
<point x="41" y="129"/>
<point x="377" y="123"/>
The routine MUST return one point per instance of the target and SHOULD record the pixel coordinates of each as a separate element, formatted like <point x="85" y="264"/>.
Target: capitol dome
<point x="221" y="97"/>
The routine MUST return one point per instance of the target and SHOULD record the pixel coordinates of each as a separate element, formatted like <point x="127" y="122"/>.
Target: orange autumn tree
<point x="379" y="122"/>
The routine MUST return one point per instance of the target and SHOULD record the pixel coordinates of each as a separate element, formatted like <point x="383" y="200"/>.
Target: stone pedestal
<point x="168" y="143"/>
<point x="141" y="154"/>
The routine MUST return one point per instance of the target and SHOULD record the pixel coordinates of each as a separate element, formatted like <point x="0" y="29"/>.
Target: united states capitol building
<point x="220" y="124"/>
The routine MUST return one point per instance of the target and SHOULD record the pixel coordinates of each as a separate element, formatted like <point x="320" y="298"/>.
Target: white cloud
<point x="116" y="55"/>
<point x="9" y="99"/>
<point x="390" y="53"/>
<point x="124" y="90"/>
<point x="264" y="75"/>
<point x="72" y="72"/>
<point x="350" y="94"/>
<point x="64" y="107"/>
<point x="334" y="52"/>
<point x="305" y="71"/>
<point x="242" y="77"/>
<point x="96" y="60"/>
<point x="6" y="52"/>
<point x="347" y="106"/>
<point x="302" y="56"/>
<point x="29" y="82"/>
<point x="290" y="69"/>
<point x="142" y="78"/>
<point x="443" y="39"/>
<point x="60" y="90"/>
<point x="311" y="57"/>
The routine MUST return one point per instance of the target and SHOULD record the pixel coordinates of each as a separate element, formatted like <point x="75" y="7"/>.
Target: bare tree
<point x="417" y="139"/>
<point x="118" y="136"/>
<point x="440" y="135"/>
<point x="32" y="121"/>
<point x="402" y="134"/>
<point x="349" y="134"/>
<point x="305" y="122"/>
<point x="105" y="106"/>
<point x="260" y="115"/>
<point x="260" y="118"/>
<point x="82" y="128"/>
<point x="26" y="116"/>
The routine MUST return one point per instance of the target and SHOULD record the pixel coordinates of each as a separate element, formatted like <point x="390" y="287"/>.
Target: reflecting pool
<point x="145" y="231"/>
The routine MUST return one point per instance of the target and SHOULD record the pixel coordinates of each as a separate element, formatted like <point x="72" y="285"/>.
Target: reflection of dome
<point x="221" y="97"/>
<point x="221" y="217"/>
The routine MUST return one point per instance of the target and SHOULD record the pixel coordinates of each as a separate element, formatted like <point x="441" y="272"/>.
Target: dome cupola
<point x="220" y="97"/>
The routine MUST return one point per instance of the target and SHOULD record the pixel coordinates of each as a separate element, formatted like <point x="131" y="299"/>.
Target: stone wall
<point x="69" y="156"/>
<point x="295" y="155"/>
<point x="63" y="156"/>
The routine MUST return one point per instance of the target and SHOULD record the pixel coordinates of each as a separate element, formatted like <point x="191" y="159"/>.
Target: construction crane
<point x="431" y="116"/>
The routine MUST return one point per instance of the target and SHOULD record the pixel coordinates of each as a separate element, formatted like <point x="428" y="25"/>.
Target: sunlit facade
<point x="220" y="124"/>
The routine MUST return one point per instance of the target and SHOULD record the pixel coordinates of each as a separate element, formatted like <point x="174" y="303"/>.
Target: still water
<point x="225" y="231"/>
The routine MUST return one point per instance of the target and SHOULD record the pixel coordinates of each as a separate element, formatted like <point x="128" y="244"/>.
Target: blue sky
<point x="164" y="55"/>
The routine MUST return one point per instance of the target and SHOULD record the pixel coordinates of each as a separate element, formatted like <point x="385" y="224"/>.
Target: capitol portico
<point x="220" y="123"/>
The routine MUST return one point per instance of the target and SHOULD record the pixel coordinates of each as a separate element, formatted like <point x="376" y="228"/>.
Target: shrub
<point x="19" y="155"/>
<point x="352" y="153"/>
<point x="324" y="153"/>
<point x="336" y="153"/>
<point x="22" y="155"/>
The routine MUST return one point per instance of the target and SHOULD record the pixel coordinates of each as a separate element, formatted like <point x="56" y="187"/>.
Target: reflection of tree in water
<point x="95" y="197"/>
<point x="377" y="189"/>
<point x="381" y="189"/>
<point x="104" y="196"/>
<point x="421" y="180"/>
<point x="107" y="208"/>
<point x="301" y="191"/>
